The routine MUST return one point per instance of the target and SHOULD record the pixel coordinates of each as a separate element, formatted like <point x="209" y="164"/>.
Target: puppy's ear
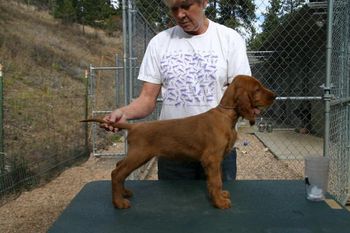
<point x="245" y="107"/>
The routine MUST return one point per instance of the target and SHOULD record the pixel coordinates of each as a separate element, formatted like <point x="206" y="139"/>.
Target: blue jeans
<point x="193" y="170"/>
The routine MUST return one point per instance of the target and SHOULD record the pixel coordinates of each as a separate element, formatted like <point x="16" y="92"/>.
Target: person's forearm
<point x="141" y="107"/>
<point x="137" y="109"/>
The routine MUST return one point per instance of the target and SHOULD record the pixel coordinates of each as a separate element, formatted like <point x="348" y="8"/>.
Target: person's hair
<point x="170" y="2"/>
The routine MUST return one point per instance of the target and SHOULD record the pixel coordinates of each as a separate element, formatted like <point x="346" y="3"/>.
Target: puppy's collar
<point x="226" y="107"/>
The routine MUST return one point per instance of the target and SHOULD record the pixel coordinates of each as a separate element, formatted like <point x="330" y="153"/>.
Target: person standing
<point x="191" y="65"/>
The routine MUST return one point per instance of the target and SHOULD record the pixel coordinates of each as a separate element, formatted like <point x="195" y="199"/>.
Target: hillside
<point x="41" y="47"/>
<point x="44" y="63"/>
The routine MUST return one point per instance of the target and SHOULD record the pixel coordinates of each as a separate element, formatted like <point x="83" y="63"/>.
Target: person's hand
<point x="115" y="116"/>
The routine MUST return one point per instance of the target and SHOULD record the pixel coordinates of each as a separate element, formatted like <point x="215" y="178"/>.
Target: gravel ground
<point x="34" y="211"/>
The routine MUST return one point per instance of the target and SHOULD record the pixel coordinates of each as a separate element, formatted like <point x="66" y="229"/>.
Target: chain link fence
<point x="42" y="133"/>
<point x="107" y="90"/>
<point x="287" y="50"/>
<point x="338" y="140"/>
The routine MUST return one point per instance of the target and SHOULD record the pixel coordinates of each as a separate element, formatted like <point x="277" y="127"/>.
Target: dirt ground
<point x="36" y="210"/>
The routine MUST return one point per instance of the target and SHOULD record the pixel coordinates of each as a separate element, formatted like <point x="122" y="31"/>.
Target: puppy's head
<point x="251" y="97"/>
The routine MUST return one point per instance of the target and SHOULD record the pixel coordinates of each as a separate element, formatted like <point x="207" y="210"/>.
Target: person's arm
<point x="141" y="107"/>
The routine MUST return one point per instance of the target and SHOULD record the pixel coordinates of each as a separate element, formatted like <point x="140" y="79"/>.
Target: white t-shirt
<point x="193" y="69"/>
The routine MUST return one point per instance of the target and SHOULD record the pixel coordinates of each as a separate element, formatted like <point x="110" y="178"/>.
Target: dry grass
<point x="44" y="63"/>
<point x="42" y="56"/>
<point x="37" y="29"/>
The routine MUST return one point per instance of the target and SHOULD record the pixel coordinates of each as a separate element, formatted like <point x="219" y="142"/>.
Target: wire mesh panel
<point x="138" y="31"/>
<point x="286" y="41"/>
<point x="106" y="91"/>
<point x="339" y="138"/>
<point x="38" y="142"/>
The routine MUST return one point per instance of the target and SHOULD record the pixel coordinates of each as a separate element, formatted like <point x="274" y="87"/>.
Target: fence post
<point x="125" y="49"/>
<point x="327" y="86"/>
<point x="86" y="83"/>
<point x="2" y="152"/>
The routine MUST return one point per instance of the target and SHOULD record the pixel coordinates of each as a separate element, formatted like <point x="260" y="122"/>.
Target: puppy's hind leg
<point x="126" y="192"/>
<point x="134" y="160"/>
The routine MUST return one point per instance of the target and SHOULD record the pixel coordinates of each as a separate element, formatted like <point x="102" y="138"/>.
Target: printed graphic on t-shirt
<point x="189" y="79"/>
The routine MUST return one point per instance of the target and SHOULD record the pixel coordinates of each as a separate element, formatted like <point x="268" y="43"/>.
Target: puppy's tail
<point x="118" y="125"/>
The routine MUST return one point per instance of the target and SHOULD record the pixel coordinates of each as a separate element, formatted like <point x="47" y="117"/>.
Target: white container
<point x="316" y="178"/>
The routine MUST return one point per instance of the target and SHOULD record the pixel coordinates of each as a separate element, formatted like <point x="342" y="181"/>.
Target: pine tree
<point x="272" y="16"/>
<point x="238" y="14"/>
<point x="290" y="6"/>
<point x="212" y="10"/>
<point x="64" y="9"/>
<point x="156" y="13"/>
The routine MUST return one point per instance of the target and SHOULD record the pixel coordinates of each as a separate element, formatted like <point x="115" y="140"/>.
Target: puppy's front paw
<point x="223" y="203"/>
<point x="122" y="203"/>
<point x="127" y="193"/>
<point x="225" y="194"/>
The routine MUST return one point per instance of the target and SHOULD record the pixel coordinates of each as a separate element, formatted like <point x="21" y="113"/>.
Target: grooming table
<point x="183" y="206"/>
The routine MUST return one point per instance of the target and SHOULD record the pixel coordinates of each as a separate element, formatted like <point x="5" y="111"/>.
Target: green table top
<point x="183" y="206"/>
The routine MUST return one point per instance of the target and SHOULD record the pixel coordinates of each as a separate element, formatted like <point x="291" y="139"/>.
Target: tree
<point x="290" y="6"/>
<point x="93" y="12"/>
<point x="212" y="9"/>
<point x="238" y="14"/>
<point x="65" y="10"/>
<point x="277" y="11"/>
<point x="98" y="13"/>
<point x="41" y="4"/>
<point x="156" y="13"/>
<point x="272" y="16"/>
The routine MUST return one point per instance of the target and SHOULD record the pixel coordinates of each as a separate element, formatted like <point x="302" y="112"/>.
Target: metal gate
<point x="108" y="89"/>
<point x="101" y="101"/>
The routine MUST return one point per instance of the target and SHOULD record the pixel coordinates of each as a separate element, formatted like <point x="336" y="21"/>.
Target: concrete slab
<point x="288" y="144"/>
